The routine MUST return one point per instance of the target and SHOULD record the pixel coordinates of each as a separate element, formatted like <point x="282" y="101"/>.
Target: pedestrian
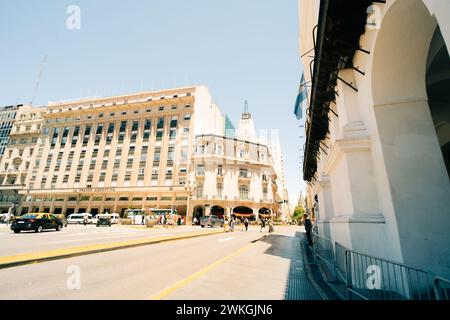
<point x="308" y="229"/>
<point x="195" y="221"/>
<point x="263" y="224"/>
<point x="143" y="219"/>
<point x="85" y="219"/>
<point x="232" y="224"/>
<point x="226" y="225"/>
<point x="271" y="229"/>
<point x="246" y="224"/>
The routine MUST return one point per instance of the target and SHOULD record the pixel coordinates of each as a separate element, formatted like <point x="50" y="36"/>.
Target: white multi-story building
<point x="234" y="176"/>
<point x="139" y="151"/>
<point x="18" y="155"/>
<point x="111" y="154"/>
<point x="378" y="126"/>
<point x="7" y="118"/>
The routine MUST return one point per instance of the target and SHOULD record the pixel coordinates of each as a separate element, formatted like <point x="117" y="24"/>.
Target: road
<point x="223" y="266"/>
<point x="77" y="235"/>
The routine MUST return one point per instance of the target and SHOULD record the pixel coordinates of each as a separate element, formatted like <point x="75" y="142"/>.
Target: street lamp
<point x="190" y="187"/>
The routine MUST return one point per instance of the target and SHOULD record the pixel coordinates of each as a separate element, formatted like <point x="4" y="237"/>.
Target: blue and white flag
<point x="302" y="96"/>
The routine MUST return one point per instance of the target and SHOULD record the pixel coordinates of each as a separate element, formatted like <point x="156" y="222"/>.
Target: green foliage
<point x="299" y="211"/>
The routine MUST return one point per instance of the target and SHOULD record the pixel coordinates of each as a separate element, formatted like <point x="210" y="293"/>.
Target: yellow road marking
<point x="198" y="274"/>
<point x="58" y="253"/>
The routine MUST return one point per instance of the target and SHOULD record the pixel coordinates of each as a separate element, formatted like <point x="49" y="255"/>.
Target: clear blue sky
<point x="241" y="49"/>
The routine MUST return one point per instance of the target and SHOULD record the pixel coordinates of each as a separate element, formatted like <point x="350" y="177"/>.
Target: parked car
<point x="211" y="221"/>
<point x="62" y="218"/>
<point x="115" y="217"/>
<point x="103" y="220"/>
<point x="78" y="218"/>
<point x="37" y="222"/>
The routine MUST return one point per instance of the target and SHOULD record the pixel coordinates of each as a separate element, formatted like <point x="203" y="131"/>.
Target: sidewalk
<point x="270" y="269"/>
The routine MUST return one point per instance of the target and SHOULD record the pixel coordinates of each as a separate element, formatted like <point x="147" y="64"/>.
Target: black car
<point x="103" y="221"/>
<point x="37" y="222"/>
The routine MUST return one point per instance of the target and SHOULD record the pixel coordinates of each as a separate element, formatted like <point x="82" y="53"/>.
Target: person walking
<point x="85" y="219"/>
<point x="263" y="225"/>
<point x="246" y="224"/>
<point x="232" y="224"/>
<point x="308" y="228"/>
<point x="226" y="225"/>
<point x="195" y="221"/>
<point x="271" y="228"/>
<point x="143" y="219"/>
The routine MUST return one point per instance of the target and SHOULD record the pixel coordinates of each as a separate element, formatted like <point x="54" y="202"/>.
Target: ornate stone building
<point x="377" y="151"/>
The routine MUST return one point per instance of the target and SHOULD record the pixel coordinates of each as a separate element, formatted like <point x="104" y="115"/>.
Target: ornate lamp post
<point x="190" y="188"/>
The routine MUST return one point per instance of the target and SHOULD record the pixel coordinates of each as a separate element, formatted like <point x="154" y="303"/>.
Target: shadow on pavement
<point x="298" y="286"/>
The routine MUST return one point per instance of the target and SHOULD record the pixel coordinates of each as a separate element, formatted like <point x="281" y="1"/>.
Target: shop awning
<point x="243" y="215"/>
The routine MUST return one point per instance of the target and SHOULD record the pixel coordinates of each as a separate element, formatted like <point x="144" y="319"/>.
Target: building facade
<point x="7" y="118"/>
<point x="233" y="177"/>
<point x="112" y="154"/>
<point x="378" y="126"/>
<point x="18" y="155"/>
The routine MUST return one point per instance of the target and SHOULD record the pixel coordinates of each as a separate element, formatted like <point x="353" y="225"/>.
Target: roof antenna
<point x="44" y="63"/>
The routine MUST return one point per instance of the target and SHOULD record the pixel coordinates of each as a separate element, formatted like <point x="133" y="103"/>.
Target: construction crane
<point x="44" y="63"/>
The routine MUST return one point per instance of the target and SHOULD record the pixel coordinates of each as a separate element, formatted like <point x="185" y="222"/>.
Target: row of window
<point x="243" y="173"/>
<point x="242" y="153"/>
<point x="101" y="115"/>
<point x="107" y="199"/>
<point x="243" y="192"/>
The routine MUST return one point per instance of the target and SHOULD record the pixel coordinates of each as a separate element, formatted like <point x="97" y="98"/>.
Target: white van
<point x="115" y="218"/>
<point x="78" y="218"/>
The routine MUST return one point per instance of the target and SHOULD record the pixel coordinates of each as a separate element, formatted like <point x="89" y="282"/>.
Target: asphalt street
<point x="222" y="266"/>
<point x="77" y="235"/>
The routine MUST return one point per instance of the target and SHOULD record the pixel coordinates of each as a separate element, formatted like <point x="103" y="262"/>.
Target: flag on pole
<point x="302" y="96"/>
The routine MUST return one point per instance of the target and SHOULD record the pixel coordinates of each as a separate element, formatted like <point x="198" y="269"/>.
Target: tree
<point x="299" y="211"/>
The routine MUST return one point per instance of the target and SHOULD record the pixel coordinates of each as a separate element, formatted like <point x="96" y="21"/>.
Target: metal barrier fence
<point x="323" y="250"/>
<point x="372" y="278"/>
<point x="339" y="262"/>
<point x="441" y="288"/>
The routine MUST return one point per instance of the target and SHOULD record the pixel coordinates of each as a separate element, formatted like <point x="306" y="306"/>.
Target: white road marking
<point x="225" y="239"/>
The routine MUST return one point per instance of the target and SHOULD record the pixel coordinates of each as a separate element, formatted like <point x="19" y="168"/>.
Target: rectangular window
<point x="160" y="124"/>
<point x="173" y="134"/>
<point x="135" y="126"/>
<point x="159" y="135"/>
<point x="148" y="124"/>
<point x="123" y="126"/>
<point x="174" y="122"/>
<point x="157" y="155"/>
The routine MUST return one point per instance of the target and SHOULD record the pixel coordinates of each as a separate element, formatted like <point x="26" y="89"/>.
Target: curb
<point x="31" y="258"/>
<point x="308" y="272"/>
